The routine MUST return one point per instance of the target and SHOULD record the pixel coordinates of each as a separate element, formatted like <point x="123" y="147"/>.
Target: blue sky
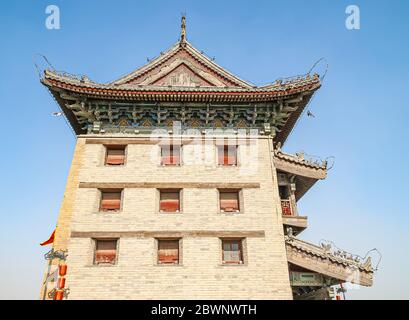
<point x="361" y="111"/>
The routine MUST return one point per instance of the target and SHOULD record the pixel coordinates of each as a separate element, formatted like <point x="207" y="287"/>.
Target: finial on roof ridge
<point x="183" y="28"/>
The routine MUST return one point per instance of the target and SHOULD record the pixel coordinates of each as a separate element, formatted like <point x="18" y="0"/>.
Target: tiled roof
<point x="132" y="91"/>
<point x="299" y="159"/>
<point x="194" y="54"/>
<point x="185" y="75"/>
<point x="322" y="252"/>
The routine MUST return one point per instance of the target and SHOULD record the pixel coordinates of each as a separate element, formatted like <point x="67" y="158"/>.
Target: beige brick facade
<point x="200" y="275"/>
<point x="63" y="228"/>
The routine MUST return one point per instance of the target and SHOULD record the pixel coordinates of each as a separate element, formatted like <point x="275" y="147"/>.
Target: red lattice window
<point x="286" y="207"/>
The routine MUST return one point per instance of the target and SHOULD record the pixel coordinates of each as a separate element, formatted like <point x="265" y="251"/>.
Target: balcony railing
<point x="286" y="208"/>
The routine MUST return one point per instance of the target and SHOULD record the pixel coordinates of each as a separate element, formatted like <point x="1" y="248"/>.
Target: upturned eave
<point x="54" y="81"/>
<point x="307" y="172"/>
<point x="323" y="261"/>
<point x="68" y="90"/>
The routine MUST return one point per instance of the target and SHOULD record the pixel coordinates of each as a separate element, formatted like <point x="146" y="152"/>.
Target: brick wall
<point x="264" y="275"/>
<point x="63" y="228"/>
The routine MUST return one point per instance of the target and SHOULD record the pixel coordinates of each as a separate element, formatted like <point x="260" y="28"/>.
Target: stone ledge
<point x="167" y="185"/>
<point x="168" y="234"/>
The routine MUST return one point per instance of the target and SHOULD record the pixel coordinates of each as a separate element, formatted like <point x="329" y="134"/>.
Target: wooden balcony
<point x="298" y="223"/>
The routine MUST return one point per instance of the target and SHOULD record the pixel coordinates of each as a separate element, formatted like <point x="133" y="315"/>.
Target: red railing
<point x="286" y="208"/>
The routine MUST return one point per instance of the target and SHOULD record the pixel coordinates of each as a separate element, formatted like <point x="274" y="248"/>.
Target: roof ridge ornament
<point x="183" y="29"/>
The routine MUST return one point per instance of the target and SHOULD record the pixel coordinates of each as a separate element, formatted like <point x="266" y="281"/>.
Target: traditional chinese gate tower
<point x="179" y="189"/>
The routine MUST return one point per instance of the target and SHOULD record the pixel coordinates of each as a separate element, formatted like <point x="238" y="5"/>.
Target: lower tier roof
<point x="334" y="265"/>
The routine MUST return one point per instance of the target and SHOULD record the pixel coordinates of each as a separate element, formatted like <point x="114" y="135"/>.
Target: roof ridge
<point x="85" y="81"/>
<point x="195" y="53"/>
<point x="217" y="66"/>
<point x="148" y="66"/>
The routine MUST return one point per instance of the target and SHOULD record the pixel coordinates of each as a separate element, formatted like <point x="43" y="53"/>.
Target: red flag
<point x="49" y="241"/>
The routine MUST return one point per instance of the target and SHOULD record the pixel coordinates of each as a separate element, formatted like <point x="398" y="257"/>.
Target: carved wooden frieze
<point x="119" y="117"/>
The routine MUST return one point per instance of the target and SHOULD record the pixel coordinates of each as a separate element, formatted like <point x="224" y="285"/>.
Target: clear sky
<point x="361" y="111"/>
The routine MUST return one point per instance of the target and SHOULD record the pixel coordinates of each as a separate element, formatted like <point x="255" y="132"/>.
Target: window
<point x="229" y="200"/>
<point x="168" y="251"/>
<point x="227" y="155"/>
<point x="115" y="155"/>
<point x="170" y="155"/>
<point x="105" y="251"/>
<point x="110" y="200"/>
<point x="169" y="201"/>
<point x="232" y="251"/>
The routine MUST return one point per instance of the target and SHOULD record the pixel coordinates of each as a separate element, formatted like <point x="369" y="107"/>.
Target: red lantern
<point x="59" y="295"/>
<point x="61" y="283"/>
<point x="62" y="270"/>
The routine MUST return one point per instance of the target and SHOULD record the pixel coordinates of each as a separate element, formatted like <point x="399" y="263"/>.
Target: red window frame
<point x="111" y="200"/>
<point x="105" y="251"/>
<point x="170" y="155"/>
<point x="168" y="251"/>
<point x="169" y="200"/>
<point x="227" y="155"/>
<point x="115" y="155"/>
<point x="229" y="200"/>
